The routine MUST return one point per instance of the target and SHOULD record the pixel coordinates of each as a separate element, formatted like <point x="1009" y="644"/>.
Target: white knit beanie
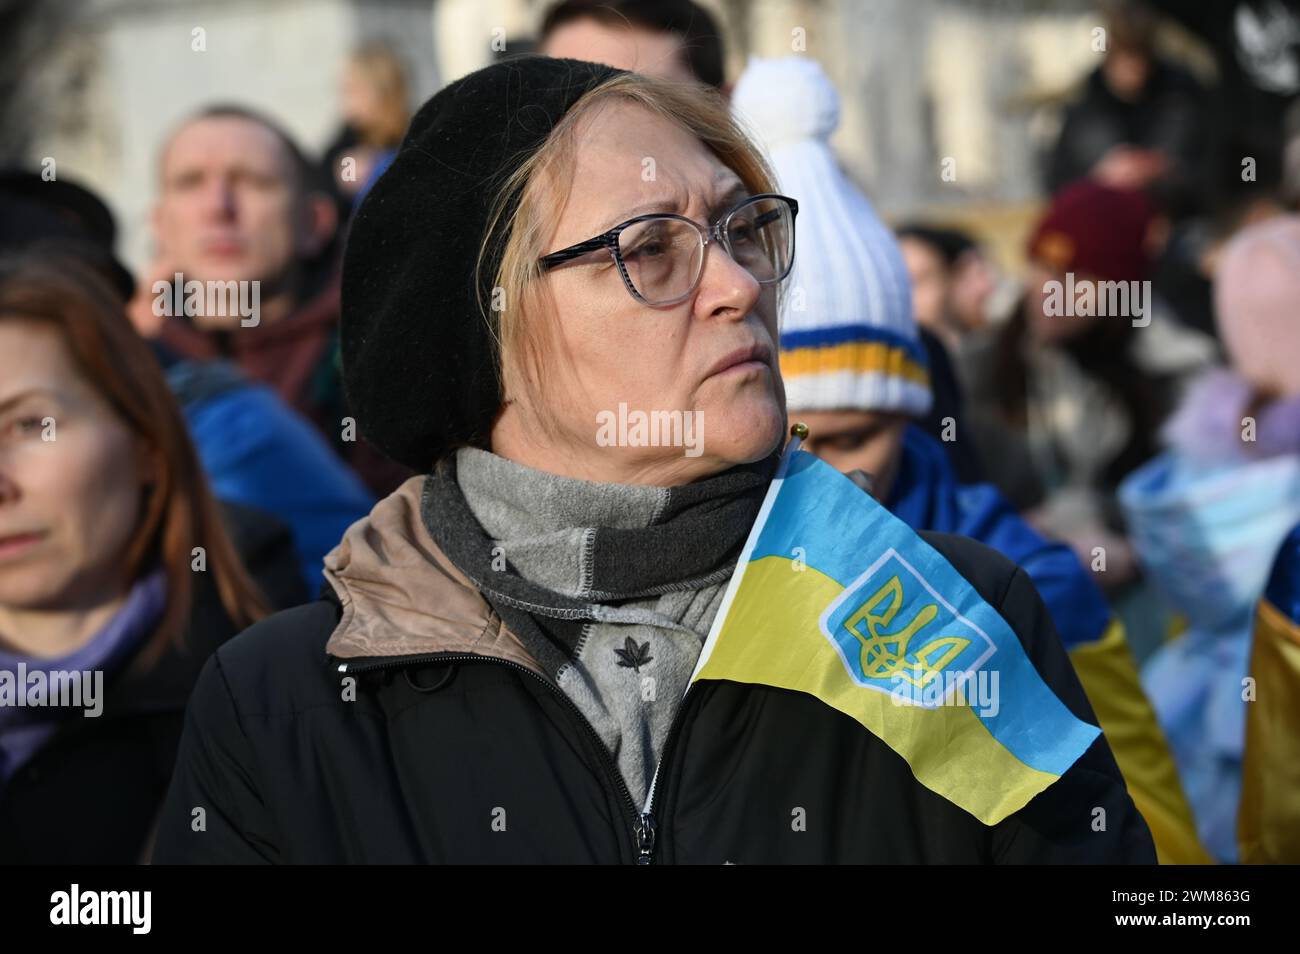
<point x="848" y="339"/>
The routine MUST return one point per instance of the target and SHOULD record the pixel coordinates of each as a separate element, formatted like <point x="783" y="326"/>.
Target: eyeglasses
<point x="661" y="255"/>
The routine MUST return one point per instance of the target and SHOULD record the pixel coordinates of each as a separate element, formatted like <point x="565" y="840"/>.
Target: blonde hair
<point x="522" y="209"/>
<point x="379" y="65"/>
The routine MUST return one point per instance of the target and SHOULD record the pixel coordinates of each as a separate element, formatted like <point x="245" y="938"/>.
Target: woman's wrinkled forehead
<point x="629" y="160"/>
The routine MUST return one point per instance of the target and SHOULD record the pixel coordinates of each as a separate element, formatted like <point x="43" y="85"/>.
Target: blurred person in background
<point x="669" y="39"/>
<point x="255" y="450"/>
<point x="952" y="281"/>
<point x="64" y="211"/>
<point x="114" y="558"/>
<point x="855" y="373"/>
<point x="1183" y="274"/>
<point x="1140" y="121"/>
<point x="239" y="202"/>
<point x="847" y="313"/>
<point x="375" y="97"/>
<point x="767" y="108"/>
<point x="1255" y="45"/>
<point x="1211" y="159"/>
<point x="1083" y="391"/>
<point x="1208" y="515"/>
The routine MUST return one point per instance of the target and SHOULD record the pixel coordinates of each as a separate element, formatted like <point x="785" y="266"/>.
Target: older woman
<point x="119" y="573"/>
<point x="561" y="304"/>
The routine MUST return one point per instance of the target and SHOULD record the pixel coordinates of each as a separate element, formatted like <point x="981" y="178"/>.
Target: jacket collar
<point x="401" y="595"/>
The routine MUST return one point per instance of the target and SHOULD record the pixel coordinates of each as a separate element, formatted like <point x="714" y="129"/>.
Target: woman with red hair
<point x="119" y="572"/>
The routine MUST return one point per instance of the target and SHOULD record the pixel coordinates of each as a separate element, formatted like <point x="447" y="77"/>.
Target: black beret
<point x="419" y="357"/>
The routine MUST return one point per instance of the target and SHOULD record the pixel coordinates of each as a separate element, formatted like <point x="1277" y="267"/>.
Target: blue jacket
<point x="927" y="496"/>
<point x="258" y="451"/>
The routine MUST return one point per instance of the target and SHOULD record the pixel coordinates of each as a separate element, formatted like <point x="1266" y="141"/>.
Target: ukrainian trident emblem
<point x="891" y="627"/>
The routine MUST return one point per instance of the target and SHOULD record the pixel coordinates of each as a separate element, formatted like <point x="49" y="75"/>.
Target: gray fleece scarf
<point x="611" y="587"/>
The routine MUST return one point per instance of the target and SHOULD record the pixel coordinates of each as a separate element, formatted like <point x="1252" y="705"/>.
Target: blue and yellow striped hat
<point x="848" y="338"/>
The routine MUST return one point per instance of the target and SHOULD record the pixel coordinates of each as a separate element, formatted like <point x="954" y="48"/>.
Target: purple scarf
<point x="23" y="731"/>
<point x="1207" y="426"/>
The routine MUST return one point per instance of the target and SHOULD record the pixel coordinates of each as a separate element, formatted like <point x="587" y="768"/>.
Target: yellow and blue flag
<point x="926" y="495"/>
<point x="1268" y="822"/>
<point x="835" y="597"/>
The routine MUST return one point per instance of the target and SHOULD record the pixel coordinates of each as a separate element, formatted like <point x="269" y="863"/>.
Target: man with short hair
<point x="241" y="211"/>
<point x="238" y="202"/>
<point x="667" y="39"/>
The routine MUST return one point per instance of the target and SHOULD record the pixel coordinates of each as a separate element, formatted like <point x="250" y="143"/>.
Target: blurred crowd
<point x="1141" y="463"/>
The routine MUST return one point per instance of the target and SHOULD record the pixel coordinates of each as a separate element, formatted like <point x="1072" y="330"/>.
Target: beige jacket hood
<point x="401" y="596"/>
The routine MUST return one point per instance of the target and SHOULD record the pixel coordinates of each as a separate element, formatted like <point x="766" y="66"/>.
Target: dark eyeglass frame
<point x="715" y="232"/>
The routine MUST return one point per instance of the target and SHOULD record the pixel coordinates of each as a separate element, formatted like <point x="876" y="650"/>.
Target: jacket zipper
<point x="647" y="814"/>
<point x="643" y="825"/>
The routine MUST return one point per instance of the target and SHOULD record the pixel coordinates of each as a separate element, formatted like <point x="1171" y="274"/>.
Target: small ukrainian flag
<point x="835" y="597"/>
